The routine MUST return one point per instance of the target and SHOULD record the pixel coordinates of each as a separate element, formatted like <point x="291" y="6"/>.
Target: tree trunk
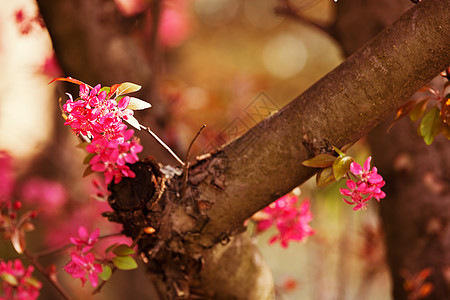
<point x="416" y="210"/>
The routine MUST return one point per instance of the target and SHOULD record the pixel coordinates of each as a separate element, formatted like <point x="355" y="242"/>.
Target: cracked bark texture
<point x="199" y="227"/>
<point x="416" y="211"/>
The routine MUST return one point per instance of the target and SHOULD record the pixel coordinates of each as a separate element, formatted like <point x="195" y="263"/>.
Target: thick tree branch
<point x="265" y="163"/>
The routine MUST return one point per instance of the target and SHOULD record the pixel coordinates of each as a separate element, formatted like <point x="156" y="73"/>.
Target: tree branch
<point x="265" y="163"/>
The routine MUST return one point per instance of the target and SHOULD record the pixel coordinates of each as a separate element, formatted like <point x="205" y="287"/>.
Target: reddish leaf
<point x="402" y="111"/>
<point x="418" y="110"/>
<point x="70" y="79"/>
<point x="114" y="87"/>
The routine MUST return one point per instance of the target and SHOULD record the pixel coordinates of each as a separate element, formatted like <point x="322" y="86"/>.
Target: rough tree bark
<point x="416" y="210"/>
<point x="198" y="221"/>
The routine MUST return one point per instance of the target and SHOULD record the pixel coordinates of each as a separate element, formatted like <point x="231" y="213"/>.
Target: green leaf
<point x="430" y="125"/>
<point x="133" y="122"/>
<point x="320" y="161"/>
<point x="87" y="172"/>
<point x="126" y="88"/>
<point x="106" y="273"/>
<point x="10" y="279"/>
<point x="338" y="151"/>
<point x="88" y="158"/>
<point x="325" y="177"/>
<point x="33" y="282"/>
<point x="123" y="250"/>
<point x="110" y="248"/>
<point x="124" y="262"/>
<point x="82" y="145"/>
<point x="341" y="166"/>
<point x="138" y="104"/>
<point x="418" y="110"/>
<point x="107" y="89"/>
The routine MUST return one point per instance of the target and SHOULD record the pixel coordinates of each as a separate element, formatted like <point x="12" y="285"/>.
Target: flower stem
<point x="33" y="260"/>
<point x="163" y="144"/>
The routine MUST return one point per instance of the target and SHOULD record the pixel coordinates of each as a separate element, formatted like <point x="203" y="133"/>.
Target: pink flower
<point x="291" y="221"/>
<point x="18" y="284"/>
<point x="369" y="185"/>
<point x="82" y="265"/>
<point x="84" y="241"/>
<point x="50" y="195"/>
<point x="100" y="118"/>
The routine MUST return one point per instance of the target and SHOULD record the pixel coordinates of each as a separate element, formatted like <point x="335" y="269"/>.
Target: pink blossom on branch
<point x="368" y="185"/>
<point x="98" y="115"/>
<point x="290" y="220"/>
<point x="82" y="261"/>
<point x="82" y="265"/>
<point x="17" y="282"/>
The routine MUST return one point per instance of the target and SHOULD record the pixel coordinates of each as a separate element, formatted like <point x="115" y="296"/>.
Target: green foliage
<point x="124" y="262"/>
<point x="106" y="273"/>
<point x="430" y="126"/>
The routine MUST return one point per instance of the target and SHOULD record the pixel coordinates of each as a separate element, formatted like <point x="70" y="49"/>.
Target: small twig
<point x="188" y="153"/>
<point x="162" y="144"/>
<point x="55" y="250"/>
<point x="46" y="274"/>
<point x="287" y="9"/>
<point x="187" y="164"/>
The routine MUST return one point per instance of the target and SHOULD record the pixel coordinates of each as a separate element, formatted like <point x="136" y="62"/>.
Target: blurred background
<point x="211" y="62"/>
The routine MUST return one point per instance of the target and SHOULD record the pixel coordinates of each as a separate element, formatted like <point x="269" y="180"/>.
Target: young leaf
<point x="133" y="122"/>
<point x="342" y="154"/>
<point x="107" y="89"/>
<point x="70" y="79"/>
<point x="401" y="112"/>
<point x="110" y="248"/>
<point x="418" y="110"/>
<point x="126" y="88"/>
<point x="88" y="158"/>
<point x="123" y="250"/>
<point x="33" y="282"/>
<point x="138" y="104"/>
<point x="430" y="125"/>
<point x="341" y="166"/>
<point x="87" y="171"/>
<point x="114" y="88"/>
<point x="106" y="273"/>
<point x="10" y="279"/>
<point x="325" y="177"/>
<point x="320" y="161"/>
<point x="18" y="241"/>
<point x="124" y="262"/>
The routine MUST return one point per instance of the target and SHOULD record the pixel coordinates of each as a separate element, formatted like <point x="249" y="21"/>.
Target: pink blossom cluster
<point x="82" y="261"/>
<point x="290" y="220"/>
<point x="17" y="283"/>
<point x="367" y="185"/>
<point x="100" y="118"/>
